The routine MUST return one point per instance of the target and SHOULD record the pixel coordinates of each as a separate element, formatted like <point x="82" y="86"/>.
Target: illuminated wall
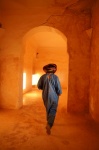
<point x="57" y="55"/>
<point x="54" y="50"/>
<point x="72" y="18"/>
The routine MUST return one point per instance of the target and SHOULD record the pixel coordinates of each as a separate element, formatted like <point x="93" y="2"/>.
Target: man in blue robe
<point x="51" y="90"/>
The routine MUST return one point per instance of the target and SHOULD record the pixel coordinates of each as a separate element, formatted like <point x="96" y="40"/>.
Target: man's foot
<point x="48" y="129"/>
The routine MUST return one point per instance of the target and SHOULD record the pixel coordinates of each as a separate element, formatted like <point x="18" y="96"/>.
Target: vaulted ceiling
<point x="16" y="6"/>
<point x="19" y="4"/>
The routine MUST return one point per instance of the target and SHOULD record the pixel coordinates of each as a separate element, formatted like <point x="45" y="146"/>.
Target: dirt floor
<point x="24" y="129"/>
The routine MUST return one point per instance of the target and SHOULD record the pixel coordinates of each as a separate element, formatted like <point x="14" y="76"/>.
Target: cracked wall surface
<point x="72" y="18"/>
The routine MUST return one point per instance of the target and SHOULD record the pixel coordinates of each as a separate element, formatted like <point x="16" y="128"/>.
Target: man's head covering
<point x="50" y="68"/>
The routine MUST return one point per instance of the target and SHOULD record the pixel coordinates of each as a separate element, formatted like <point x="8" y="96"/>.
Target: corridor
<point x="24" y="129"/>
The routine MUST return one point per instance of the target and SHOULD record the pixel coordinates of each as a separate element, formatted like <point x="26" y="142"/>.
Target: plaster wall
<point x="39" y="51"/>
<point x="28" y="63"/>
<point x="16" y="24"/>
<point x="79" y="63"/>
<point x="57" y="55"/>
<point x="94" y="78"/>
<point x="10" y="82"/>
<point x="73" y="23"/>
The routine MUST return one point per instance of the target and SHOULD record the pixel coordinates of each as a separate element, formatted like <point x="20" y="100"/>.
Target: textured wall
<point x="50" y="46"/>
<point x="73" y="21"/>
<point x="11" y="82"/>
<point x="74" y="26"/>
<point x="94" y="82"/>
<point x="79" y="64"/>
<point x="57" y="56"/>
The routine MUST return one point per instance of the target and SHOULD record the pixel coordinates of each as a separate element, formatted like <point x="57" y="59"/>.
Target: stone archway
<point x="48" y="44"/>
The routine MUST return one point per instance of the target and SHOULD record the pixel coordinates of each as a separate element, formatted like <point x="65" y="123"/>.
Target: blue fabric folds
<point x="51" y="89"/>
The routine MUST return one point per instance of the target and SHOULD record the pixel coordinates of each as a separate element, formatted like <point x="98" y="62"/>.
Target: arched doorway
<point x="43" y="45"/>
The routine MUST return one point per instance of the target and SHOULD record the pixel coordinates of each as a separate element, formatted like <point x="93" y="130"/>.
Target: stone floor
<point x="24" y="129"/>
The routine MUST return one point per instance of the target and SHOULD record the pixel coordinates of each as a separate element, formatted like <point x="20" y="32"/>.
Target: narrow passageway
<point x="24" y="129"/>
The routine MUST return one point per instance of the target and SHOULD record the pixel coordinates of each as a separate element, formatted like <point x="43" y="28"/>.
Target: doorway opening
<point x="43" y="45"/>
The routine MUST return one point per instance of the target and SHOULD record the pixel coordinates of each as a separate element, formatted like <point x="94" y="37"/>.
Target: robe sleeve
<point x="58" y="87"/>
<point x="40" y="84"/>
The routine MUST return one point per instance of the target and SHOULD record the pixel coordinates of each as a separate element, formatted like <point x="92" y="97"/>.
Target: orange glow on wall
<point x="35" y="78"/>
<point x="24" y="81"/>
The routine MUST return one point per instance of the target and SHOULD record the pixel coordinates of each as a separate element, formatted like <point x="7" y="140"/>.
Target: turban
<point x="50" y="68"/>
